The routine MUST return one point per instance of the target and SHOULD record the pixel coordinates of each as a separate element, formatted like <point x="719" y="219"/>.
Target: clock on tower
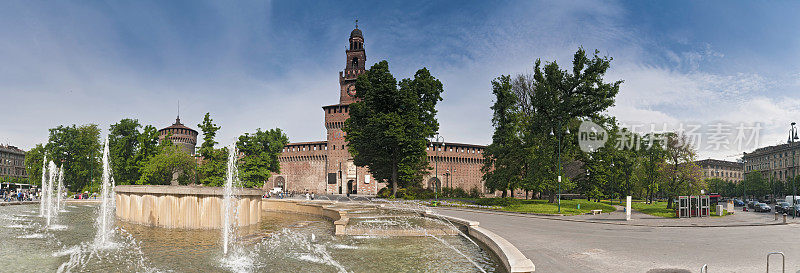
<point x="354" y="66"/>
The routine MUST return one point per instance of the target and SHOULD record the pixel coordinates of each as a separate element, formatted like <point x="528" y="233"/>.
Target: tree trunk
<point x="504" y="194"/>
<point x="551" y="197"/>
<point x="394" y="180"/>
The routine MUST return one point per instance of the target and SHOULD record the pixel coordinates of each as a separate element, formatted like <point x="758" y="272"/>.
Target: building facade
<point x="12" y="162"/>
<point x="725" y="170"/>
<point x="180" y="135"/>
<point x="326" y="167"/>
<point x="778" y="162"/>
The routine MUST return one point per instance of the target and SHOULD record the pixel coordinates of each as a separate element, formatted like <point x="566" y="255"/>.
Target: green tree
<point x="755" y="184"/>
<point x="148" y="145"/>
<point x="716" y="185"/>
<point x="123" y="138"/>
<point x="33" y="164"/>
<point x="681" y="173"/>
<point x="77" y="148"/>
<point x="170" y="161"/>
<point x="212" y="170"/>
<point x="260" y="160"/>
<point x="502" y="166"/>
<point x="653" y="159"/>
<point x="555" y="100"/>
<point x="389" y="127"/>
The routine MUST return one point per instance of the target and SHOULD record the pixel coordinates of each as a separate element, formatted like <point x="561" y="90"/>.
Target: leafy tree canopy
<point x="260" y="156"/>
<point x="389" y="127"/>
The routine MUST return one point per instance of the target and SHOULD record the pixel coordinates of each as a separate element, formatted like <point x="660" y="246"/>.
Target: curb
<point x="549" y="217"/>
<point x="18" y="203"/>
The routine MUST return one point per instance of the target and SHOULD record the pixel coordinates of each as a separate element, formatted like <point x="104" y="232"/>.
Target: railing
<point x="783" y="261"/>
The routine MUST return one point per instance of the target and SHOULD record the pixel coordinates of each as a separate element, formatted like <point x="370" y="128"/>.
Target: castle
<point x="326" y="167"/>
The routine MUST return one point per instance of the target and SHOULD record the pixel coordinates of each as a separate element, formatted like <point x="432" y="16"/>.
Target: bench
<point x="596" y="211"/>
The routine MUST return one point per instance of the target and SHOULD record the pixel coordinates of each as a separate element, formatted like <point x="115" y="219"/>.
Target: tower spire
<point x="356" y="23"/>
<point x="178" y="119"/>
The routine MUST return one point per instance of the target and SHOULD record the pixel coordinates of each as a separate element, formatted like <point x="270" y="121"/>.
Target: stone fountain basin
<point x="185" y="207"/>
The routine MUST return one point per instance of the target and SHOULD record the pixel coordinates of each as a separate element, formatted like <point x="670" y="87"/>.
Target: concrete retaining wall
<point x="317" y="208"/>
<point x="185" y="207"/>
<point x="513" y="260"/>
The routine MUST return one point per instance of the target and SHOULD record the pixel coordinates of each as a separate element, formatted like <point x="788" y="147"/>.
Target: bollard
<point x="776" y="216"/>
<point x="784" y="218"/>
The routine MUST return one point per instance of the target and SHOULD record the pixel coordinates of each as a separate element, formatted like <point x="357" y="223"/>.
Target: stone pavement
<point x="560" y="244"/>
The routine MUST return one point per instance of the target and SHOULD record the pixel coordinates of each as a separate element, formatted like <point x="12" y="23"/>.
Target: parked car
<point x="752" y="204"/>
<point x="794" y="210"/>
<point x="782" y="207"/>
<point x="738" y="203"/>
<point x="762" y="207"/>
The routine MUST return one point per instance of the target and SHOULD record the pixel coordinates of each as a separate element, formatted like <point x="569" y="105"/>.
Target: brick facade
<point x="326" y="167"/>
<point x="179" y="134"/>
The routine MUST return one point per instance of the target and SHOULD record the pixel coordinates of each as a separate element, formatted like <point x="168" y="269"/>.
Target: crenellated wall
<point x="187" y="207"/>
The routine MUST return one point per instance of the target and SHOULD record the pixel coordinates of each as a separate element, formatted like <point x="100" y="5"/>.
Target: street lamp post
<point x="744" y="185"/>
<point x="559" y="136"/>
<point x="792" y="138"/>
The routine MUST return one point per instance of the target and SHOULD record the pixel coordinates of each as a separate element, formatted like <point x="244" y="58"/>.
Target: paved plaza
<point x="562" y="245"/>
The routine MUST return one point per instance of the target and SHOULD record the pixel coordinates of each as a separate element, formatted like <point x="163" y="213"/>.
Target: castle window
<point x="355" y="62"/>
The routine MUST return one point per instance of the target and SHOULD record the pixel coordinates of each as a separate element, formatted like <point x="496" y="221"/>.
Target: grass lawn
<point x="568" y="207"/>
<point x="655" y="209"/>
<point x="660" y="209"/>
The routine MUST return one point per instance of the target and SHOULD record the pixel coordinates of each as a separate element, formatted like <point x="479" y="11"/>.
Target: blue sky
<point x="273" y="64"/>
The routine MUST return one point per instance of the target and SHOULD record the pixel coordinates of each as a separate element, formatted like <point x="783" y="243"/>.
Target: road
<point x="563" y="246"/>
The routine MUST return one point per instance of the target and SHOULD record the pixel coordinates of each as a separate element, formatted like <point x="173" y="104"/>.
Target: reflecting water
<point x="281" y="243"/>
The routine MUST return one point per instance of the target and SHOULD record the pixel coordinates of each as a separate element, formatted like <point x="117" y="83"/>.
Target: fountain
<point x="174" y="228"/>
<point x="229" y="200"/>
<point x="59" y="192"/>
<point x="49" y="210"/>
<point x="44" y="185"/>
<point x="105" y="218"/>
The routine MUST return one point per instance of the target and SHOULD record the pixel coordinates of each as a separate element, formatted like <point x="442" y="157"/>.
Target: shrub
<point x="401" y="193"/>
<point x="455" y="193"/>
<point x="475" y="193"/>
<point x="407" y="193"/>
<point x="385" y="193"/>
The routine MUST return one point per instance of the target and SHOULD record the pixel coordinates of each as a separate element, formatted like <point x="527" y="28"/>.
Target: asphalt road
<point x="561" y="246"/>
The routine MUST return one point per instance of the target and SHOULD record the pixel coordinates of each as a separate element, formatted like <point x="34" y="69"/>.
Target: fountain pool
<point x="281" y="242"/>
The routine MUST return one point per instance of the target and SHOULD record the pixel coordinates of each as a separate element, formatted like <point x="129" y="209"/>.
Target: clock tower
<point x="355" y="65"/>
